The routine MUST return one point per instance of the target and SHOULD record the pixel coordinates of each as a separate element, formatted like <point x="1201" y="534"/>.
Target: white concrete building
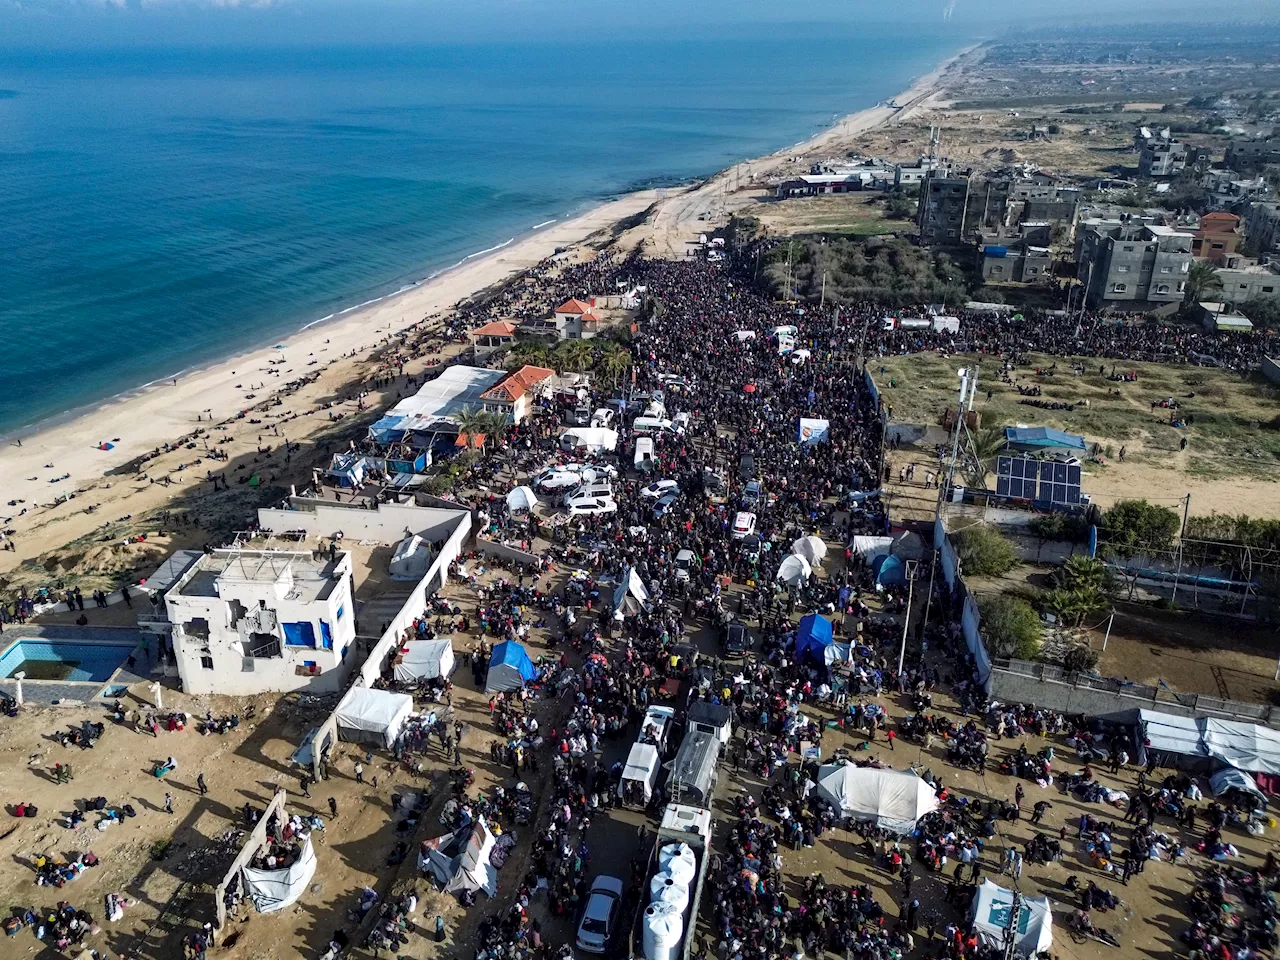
<point x="250" y="621"/>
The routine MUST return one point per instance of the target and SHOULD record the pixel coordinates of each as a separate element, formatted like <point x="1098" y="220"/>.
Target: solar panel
<point x="1044" y="481"/>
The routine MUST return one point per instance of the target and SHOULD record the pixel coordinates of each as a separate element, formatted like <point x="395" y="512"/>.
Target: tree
<point x="613" y="363"/>
<point x="574" y="355"/>
<point x="1202" y="278"/>
<point x="528" y="351"/>
<point x="983" y="448"/>
<point x="1264" y="312"/>
<point x="1134" y="526"/>
<point x="472" y="424"/>
<point x="1085" y="573"/>
<point x="1011" y="627"/>
<point x="983" y="552"/>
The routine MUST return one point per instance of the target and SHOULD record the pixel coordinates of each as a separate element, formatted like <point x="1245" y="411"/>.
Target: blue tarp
<point x="890" y="571"/>
<point x="509" y="668"/>
<point x="1043" y="438"/>
<point x="813" y="637"/>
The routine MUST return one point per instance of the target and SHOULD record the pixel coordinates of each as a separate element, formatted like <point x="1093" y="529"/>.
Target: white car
<point x="680" y="422"/>
<point x="601" y="914"/>
<point x="660" y="488"/>
<point x="684" y="564"/>
<point x="587" y="505"/>
<point x="603" y="417"/>
<point x="591" y="488"/>
<point x="570" y="475"/>
<point x="744" y="524"/>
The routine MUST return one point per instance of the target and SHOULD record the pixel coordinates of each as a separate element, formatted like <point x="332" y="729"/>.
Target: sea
<point x="164" y="209"/>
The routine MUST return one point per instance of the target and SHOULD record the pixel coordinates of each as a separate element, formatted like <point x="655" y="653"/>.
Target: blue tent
<point x="1042" y="438"/>
<point x="890" y="571"/>
<point x="812" y="639"/>
<point x="509" y="668"/>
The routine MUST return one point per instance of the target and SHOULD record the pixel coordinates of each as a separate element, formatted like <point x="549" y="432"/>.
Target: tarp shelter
<point x="871" y="547"/>
<point x="1229" y="778"/>
<point x="631" y="595"/>
<point x="272" y="890"/>
<point x="1245" y="746"/>
<point x="411" y="559"/>
<point x="1042" y="438"/>
<point x="521" y="498"/>
<point x="460" y="860"/>
<point x="1169" y="736"/>
<point x="373" y="716"/>
<point x="991" y="909"/>
<point x="888" y="798"/>
<point x="642" y="768"/>
<point x="794" y="570"/>
<point x="589" y="439"/>
<point x="424" y="660"/>
<point x="890" y="571"/>
<point x="811" y="548"/>
<point x="509" y="668"/>
<point x="813" y="637"/>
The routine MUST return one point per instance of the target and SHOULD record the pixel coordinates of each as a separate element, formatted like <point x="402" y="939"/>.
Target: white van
<point x="657" y="724"/>
<point x="651" y="425"/>
<point x="641" y="772"/>
<point x="644" y="460"/>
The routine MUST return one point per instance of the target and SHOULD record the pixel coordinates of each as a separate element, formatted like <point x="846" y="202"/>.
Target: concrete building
<point x="954" y="210"/>
<point x="572" y="320"/>
<point x="1222" y="318"/>
<point x="1249" y="155"/>
<point x="1262" y="229"/>
<point x="1243" y="281"/>
<point x="1131" y="266"/>
<point x="1159" y="154"/>
<point x="514" y="396"/>
<point x="817" y="184"/>
<point x="1228" y="190"/>
<point x="1217" y="237"/>
<point x="911" y="174"/>
<point x="1025" y="258"/>
<point x="258" y="621"/>
<point x="492" y="337"/>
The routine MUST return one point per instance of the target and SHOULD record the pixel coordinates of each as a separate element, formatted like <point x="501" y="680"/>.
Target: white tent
<point x="411" y="559"/>
<point x="992" y="905"/>
<point x="460" y="860"/>
<point x="1245" y="746"/>
<point x="811" y="548"/>
<point x="870" y="547"/>
<point x="272" y="890"/>
<point x="377" y="716"/>
<point x="521" y="498"/>
<point x="1169" y="734"/>
<point x="424" y="659"/>
<point x="589" y="439"/>
<point x="890" y="799"/>
<point x="631" y="596"/>
<point x="794" y="570"/>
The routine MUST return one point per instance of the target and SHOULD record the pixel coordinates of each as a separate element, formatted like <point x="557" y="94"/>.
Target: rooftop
<point x="573" y="306"/>
<point x="495" y="328"/>
<point x="306" y="576"/>
<point x="519" y="383"/>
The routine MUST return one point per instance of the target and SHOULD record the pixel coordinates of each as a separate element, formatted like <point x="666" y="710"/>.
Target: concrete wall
<point x="251" y="844"/>
<point x="500" y="551"/>
<point x="389" y="524"/>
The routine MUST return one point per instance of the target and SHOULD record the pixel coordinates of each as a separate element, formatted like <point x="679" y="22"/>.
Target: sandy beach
<point x="66" y="458"/>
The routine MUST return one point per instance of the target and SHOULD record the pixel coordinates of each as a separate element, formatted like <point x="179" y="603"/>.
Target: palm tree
<point x="1202" y="277"/>
<point x="613" y="363"/>
<point x="574" y="355"/>
<point x="472" y="424"/>
<point x="1085" y="573"/>
<point x="983" y="448"/>
<point x="528" y="351"/>
<point x="495" y="424"/>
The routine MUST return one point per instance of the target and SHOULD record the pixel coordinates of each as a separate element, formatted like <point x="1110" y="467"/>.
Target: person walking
<point x="333" y="807"/>
<point x="890" y="735"/>
<point x="168" y="803"/>
<point x="1018" y="794"/>
<point x="304" y="782"/>
<point x="359" y="772"/>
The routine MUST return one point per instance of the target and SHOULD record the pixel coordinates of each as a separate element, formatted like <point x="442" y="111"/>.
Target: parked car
<point x="664" y="504"/>
<point x="601" y="914"/>
<point x="568" y="475"/>
<point x="603" y="417"/>
<point x="736" y="640"/>
<point x="752" y="493"/>
<point x="686" y="561"/>
<point x="744" y="524"/>
<point x="587" y="505"/>
<point x="590" y="488"/>
<point x="660" y="488"/>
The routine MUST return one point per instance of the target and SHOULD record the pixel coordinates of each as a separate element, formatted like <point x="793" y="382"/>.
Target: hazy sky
<point x="109" y="23"/>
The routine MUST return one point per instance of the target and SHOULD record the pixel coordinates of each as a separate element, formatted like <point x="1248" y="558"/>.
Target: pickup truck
<point x="656" y="924"/>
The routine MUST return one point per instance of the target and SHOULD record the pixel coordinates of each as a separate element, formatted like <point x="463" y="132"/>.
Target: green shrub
<point x="1011" y="627"/>
<point x="983" y="552"/>
<point x="1134" y="526"/>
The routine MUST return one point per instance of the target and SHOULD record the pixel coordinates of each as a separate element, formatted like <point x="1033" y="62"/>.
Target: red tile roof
<point x="519" y="383"/>
<point x="497" y="328"/>
<point x="574" y="306"/>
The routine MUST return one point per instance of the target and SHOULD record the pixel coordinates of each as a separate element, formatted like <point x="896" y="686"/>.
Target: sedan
<point x="664" y="504"/>
<point x="601" y="914"/>
<point x="660" y="488"/>
<point x="744" y="524"/>
<point x="587" y="505"/>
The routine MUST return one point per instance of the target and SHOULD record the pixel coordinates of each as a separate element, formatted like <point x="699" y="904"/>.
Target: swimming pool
<point x="64" y="659"/>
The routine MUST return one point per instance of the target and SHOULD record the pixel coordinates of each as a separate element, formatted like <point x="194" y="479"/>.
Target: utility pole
<point x="1011" y="928"/>
<point x="1182" y="535"/>
<point x="906" y="618"/>
<point x="823" y="302"/>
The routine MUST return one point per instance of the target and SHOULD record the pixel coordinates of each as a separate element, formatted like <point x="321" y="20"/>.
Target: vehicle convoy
<point x="667" y="920"/>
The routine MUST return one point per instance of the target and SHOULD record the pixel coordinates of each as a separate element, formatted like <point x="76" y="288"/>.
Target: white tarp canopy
<point x="591" y="439"/>
<point x="521" y="498"/>
<point x="367" y="715"/>
<point x="424" y="660"/>
<point x="642" y="766"/>
<point x="460" y="860"/>
<point x="794" y="570"/>
<point x="1166" y="733"/>
<point x="411" y="559"/>
<point x="871" y="547"/>
<point x="1228" y="778"/>
<point x="891" y="799"/>
<point x="811" y="548"/>
<point x="1245" y="746"/>
<point x="272" y="890"/>
<point x="992" y="905"/>
<point x="631" y="596"/>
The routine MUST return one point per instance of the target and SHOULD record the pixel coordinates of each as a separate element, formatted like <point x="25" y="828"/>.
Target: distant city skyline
<point x="110" y="23"/>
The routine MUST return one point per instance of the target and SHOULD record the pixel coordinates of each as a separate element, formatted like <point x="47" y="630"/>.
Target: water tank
<point x="678" y="862"/>
<point x="663" y="927"/>
<point x="663" y="889"/>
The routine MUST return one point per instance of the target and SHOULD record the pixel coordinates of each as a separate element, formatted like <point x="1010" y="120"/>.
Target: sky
<point x="60" y="24"/>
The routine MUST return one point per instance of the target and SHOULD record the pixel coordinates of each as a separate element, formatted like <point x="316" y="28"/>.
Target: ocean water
<point x="160" y="210"/>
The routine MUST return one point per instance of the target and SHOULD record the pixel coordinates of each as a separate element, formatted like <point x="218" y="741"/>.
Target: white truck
<point x="666" y="922"/>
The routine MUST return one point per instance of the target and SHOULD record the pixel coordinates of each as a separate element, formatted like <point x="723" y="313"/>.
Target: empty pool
<point x="64" y="659"/>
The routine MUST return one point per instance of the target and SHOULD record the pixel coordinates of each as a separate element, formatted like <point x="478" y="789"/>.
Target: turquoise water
<point x="162" y="210"/>
<point x="93" y="661"/>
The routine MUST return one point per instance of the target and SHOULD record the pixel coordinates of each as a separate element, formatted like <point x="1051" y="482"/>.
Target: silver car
<point x="601" y="914"/>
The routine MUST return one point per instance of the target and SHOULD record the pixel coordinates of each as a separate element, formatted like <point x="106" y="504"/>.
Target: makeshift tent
<point x="990" y="912"/>
<point x="889" y="799"/>
<point x="1245" y="746"/>
<point x="509" y="668"/>
<point x="868" y="548"/>
<point x="424" y="660"/>
<point x="642" y="767"/>
<point x="812" y="638"/>
<point x="1169" y="736"/>
<point x="521" y="498"/>
<point x="460" y="860"/>
<point x="794" y="570"/>
<point x="811" y="548"/>
<point x="589" y="439"/>
<point x="889" y="571"/>
<point x="272" y="890"/>
<point x="1231" y="779"/>
<point x="373" y="716"/>
<point x="631" y="596"/>
<point x="411" y="559"/>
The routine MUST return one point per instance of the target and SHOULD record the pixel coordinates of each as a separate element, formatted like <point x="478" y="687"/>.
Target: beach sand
<point x="160" y="413"/>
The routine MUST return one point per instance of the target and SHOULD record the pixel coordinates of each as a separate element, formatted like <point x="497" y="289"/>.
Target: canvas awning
<point x="424" y="660"/>
<point x="1245" y="746"/>
<point x="991" y="909"/>
<point x="1166" y="733"/>
<point x="888" y="798"/>
<point x="373" y="715"/>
